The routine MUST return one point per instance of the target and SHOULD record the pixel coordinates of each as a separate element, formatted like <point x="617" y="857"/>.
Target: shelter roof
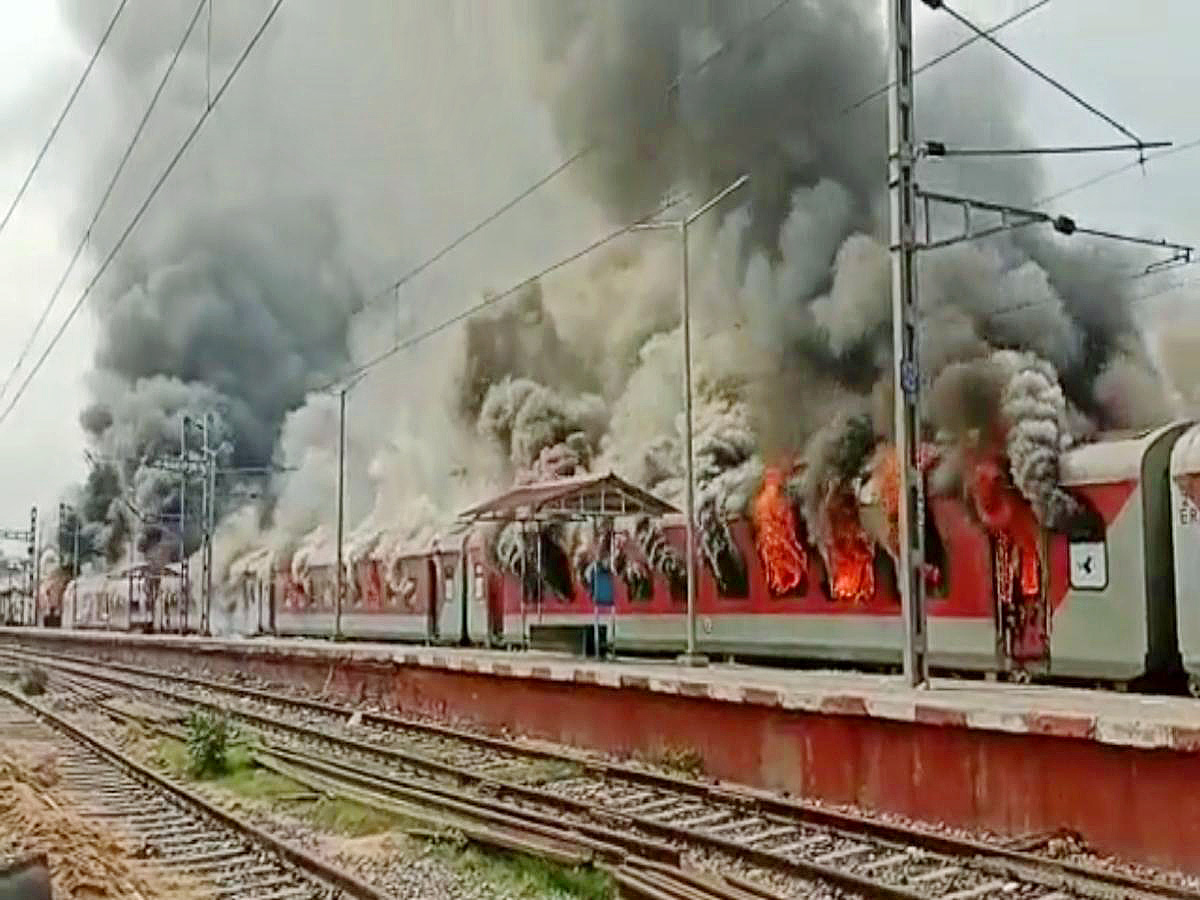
<point x="579" y="497"/>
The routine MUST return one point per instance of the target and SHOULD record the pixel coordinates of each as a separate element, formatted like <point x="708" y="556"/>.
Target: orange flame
<point x="851" y="553"/>
<point x="1009" y="519"/>
<point x="784" y="560"/>
<point x="886" y="474"/>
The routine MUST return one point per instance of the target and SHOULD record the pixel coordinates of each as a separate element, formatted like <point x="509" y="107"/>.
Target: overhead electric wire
<point x="112" y="182"/>
<point x="1058" y="85"/>
<point x="561" y="167"/>
<point x="37" y="162"/>
<point x="166" y="173"/>
<point x="480" y="225"/>
<point x="1117" y="170"/>
<point x="388" y="291"/>
<point x="730" y="41"/>
<point x="362" y="368"/>
<point x="941" y="57"/>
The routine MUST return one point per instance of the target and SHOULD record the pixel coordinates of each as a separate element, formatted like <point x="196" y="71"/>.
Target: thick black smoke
<point x="769" y="104"/>
<point x="233" y="300"/>
<point x="775" y="103"/>
<point x="231" y="315"/>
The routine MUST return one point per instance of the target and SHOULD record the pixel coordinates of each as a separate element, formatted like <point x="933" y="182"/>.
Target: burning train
<point x="1054" y="538"/>
<point x="1105" y="594"/>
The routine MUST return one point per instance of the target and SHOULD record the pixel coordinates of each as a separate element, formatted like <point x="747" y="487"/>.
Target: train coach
<point x="1100" y="606"/>
<point x="1185" y="526"/>
<point x="1094" y="607"/>
<point x="136" y="598"/>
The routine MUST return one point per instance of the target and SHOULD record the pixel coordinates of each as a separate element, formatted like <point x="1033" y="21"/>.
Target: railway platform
<point x="1119" y="769"/>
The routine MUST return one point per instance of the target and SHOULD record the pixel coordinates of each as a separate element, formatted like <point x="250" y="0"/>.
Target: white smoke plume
<point x="1033" y="405"/>
<point x="659" y="552"/>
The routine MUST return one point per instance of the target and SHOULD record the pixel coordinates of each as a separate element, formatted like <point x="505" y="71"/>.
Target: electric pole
<point x="339" y="585"/>
<point x="31" y="550"/>
<point x="902" y="190"/>
<point x="339" y="578"/>
<point x="184" y="587"/>
<point x="209" y="507"/>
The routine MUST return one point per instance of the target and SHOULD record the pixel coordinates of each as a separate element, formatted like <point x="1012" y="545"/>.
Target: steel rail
<point x="994" y="859"/>
<point x="296" y="856"/>
<point x="496" y="814"/>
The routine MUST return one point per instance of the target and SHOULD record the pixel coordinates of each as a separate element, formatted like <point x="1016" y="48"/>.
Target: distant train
<point x="136" y="598"/>
<point x="1118" y="606"/>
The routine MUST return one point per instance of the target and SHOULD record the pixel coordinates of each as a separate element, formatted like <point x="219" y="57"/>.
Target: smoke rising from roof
<point x="237" y="292"/>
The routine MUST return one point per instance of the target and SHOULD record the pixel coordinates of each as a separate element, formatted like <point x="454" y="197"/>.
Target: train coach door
<point x="433" y="604"/>
<point x="1022" y="613"/>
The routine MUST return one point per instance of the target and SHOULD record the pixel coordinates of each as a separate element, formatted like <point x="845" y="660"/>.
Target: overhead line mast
<point x="902" y="190"/>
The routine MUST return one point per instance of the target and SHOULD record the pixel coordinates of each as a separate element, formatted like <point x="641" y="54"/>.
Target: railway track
<point x="779" y="844"/>
<point x="177" y="832"/>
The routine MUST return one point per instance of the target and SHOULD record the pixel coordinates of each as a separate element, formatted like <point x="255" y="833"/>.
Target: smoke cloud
<point x="248" y="290"/>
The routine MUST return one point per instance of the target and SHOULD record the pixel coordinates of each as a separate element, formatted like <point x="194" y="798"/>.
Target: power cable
<point x="166" y="173"/>
<point x="1166" y="289"/>
<point x="62" y="115"/>
<point x="561" y="167"/>
<point x="488" y="301"/>
<point x="941" y="57"/>
<point x="731" y="40"/>
<point x="1117" y="170"/>
<point x="392" y="288"/>
<point x="1058" y="85"/>
<point x="480" y="225"/>
<point x="112" y="182"/>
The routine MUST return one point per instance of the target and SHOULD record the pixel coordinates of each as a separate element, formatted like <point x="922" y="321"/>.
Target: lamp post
<point x="681" y="226"/>
<point x="339" y="583"/>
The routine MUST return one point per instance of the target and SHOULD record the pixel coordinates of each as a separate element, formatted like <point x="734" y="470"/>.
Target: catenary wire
<point x="561" y="167"/>
<point x="1116" y="170"/>
<point x="1053" y="82"/>
<point x="37" y="162"/>
<point x="112" y="182"/>
<point x="166" y="173"/>
<point x="941" y="57"/>
<point x="588" y="148"/>
<point x="350" y="375"/>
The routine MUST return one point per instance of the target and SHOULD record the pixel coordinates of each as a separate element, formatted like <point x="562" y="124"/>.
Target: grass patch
<point x="523" y="876"/>
<point x="517" y="875"/>
<point x="247" y="781"/>
<point x="208" y="739"/>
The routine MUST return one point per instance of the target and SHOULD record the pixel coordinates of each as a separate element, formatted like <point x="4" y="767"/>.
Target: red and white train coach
<point x="406" y="593"/>
<point x="1008" y="596"/>
<point x="136" y="598"/>
<point x="1098" y="607"/>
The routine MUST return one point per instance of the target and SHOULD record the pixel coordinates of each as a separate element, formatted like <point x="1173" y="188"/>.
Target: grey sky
<point x="1135" y="61"/>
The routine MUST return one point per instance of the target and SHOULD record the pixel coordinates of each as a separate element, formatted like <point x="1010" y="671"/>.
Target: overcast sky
<point x="1135" y="61"/>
